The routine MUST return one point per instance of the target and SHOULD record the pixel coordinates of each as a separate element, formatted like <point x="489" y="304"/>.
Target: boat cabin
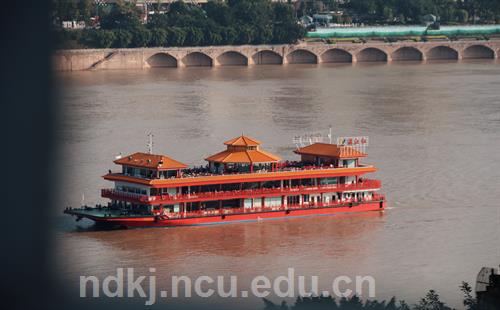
<point x="150" y="166"/>
<point x="242" y="154"/>
<point x="324" y="154"/>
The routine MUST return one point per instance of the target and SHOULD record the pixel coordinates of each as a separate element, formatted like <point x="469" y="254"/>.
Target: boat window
<point x="233" y="203"/>
<point x="230" y="187"/>
<point x="272" y="201"/>
<point x="212" y="204"/>
<point x="293" y="200"/>
<point x="251" y="185"/>
<point x="129" y="170"/>
<point x="306" y="182"/>
<point x="209" y="188"/>
<point x="328" y="181"/>
<point x="271" y="184"/>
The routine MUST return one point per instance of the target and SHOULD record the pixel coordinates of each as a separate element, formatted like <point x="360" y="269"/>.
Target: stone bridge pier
<point x="247" y="55"/>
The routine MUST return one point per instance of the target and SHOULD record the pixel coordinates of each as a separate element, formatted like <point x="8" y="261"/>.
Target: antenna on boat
<point x="296" y="141"/>
<point x="330" y="133"/>
<point x="150" y="143"/>
<point x="307" y="139"/>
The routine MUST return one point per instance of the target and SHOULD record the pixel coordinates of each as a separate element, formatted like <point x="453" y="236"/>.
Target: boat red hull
<point x="150" y="221"/>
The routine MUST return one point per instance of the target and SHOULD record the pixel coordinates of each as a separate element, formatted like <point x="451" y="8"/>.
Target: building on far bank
<point x="488" y="289"/>
<point x="73" y="24"/>
<point x="322" y="19"/>
<point x="429" y="19"/>
<point x="306" y="20"/>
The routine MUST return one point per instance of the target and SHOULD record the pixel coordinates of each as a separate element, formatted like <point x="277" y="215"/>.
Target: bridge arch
<point x="232" y="58"/>
<point x="267" y="57"/>
<point x="336" y="55"/>
<point x="301" y="56"/>
<point x="197" y="59"/>
<point x="478" y="51"/>
<point x="371" y="54"/>
<point x="442" y="52"/>
<point x="407" y="53"/>
<point x="161" y="60"/>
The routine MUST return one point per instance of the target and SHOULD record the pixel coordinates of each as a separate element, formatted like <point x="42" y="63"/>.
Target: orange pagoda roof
<point x="243" y="150"/>
<point x="242" y="141"/>
<point x="241" y="157"/>
<point x="151" y="161"/>
<point x="330" y="150"/>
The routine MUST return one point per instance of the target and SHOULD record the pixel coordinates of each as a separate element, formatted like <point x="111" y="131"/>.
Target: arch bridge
<point x="274" y="54"/>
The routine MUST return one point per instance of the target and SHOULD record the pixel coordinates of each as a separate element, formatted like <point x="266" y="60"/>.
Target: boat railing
<point x="281" y="167"/>
<point x="110" y="193"/>
<point x="377" y="196"/>
<point x="228" y="210"/>
<point x="210" y="211"/>
<point x="216" y="195"/>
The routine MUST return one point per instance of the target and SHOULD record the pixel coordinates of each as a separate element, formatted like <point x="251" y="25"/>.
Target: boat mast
<point x="150" y="143"/>
<point x="330" y="133"/>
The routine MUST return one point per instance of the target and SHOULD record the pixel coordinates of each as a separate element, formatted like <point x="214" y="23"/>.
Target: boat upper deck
<point x="195" y="176"/>
<point x="242" y="161"/>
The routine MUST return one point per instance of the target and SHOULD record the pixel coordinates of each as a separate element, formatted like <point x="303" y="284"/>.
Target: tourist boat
<point x="241" y="183"/>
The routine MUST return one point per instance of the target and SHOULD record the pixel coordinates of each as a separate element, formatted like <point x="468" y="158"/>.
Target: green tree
<point x="220" y="22"/>
<point x="262" y="35"/>
<point x="462" y="16"/>
<point x="66" y="39"/>
<point x="245" y="35"/>
<point x="287" y="33"/>
<point x="286" y="29"/>
<point x="469" y="302"/>
<point x="65" y="10"/>
<point x="158" y="37"/>
<point x="175" y="36"/>
<point x="104" y="38"/>
<point x="140" y="37"/>
<point x="158" y="21"/>
<point x="219" y="12"/>
<point x="85" y="9"/>
<point x="194" y="36"/>
<point x="229" y="35"/>
<point x="431" y="302"/>
<point x="181" y="14"/>
<point x="123" y="38"/>
<point x="212" y="34"/>
<point x="388" y="13"/>
<point x="122" y="16"/>
<point x="87" y="38"/>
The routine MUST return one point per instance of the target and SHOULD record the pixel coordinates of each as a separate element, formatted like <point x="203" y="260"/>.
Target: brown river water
<point x="434" y="133"/>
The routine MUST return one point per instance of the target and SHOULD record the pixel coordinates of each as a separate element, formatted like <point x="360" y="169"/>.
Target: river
<point x="434" y="133"/>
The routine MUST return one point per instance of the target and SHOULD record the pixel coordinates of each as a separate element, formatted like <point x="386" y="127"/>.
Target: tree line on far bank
<point x="431" y="301"/>
<point x="236" y="22"/>
<point x="218" y="23"/>
<point x="411" y="11"/>
<point x="402" y="12"/>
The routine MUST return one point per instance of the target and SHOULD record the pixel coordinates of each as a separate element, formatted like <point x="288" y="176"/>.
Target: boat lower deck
<point x="206" y="217"/>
